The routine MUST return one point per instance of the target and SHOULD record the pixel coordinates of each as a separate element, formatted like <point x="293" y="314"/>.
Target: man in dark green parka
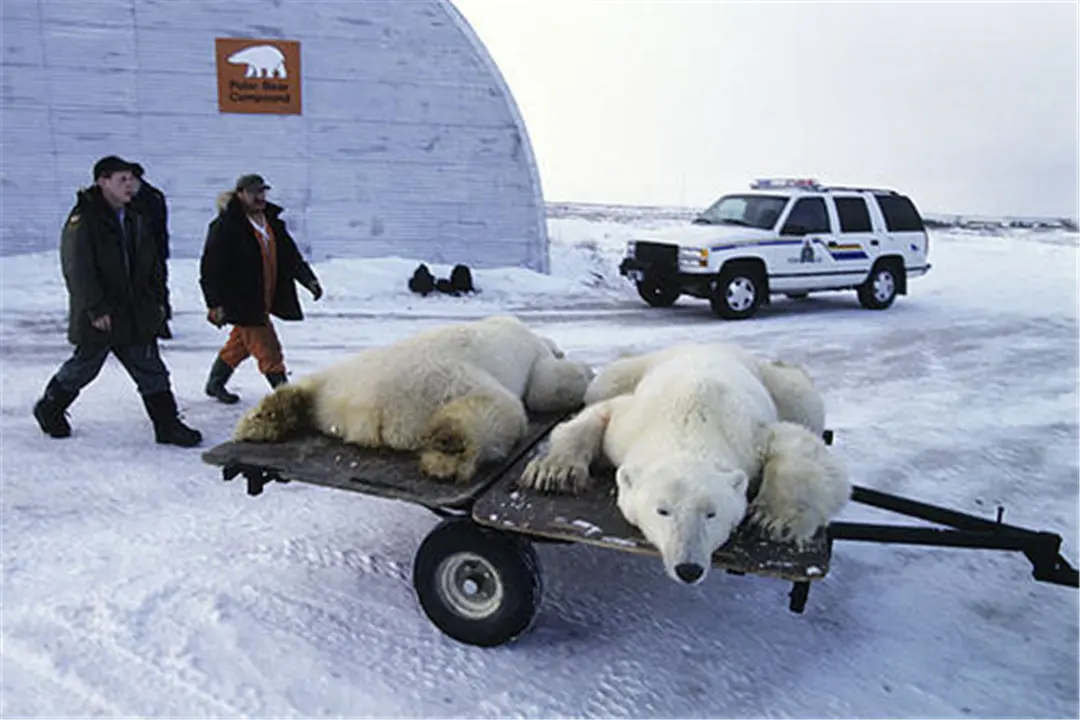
<point x="116" y="304"/>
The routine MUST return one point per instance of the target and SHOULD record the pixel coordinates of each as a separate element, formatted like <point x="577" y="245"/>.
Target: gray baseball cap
<point x="252" y="182"/>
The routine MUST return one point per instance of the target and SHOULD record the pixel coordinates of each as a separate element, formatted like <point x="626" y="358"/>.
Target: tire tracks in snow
<point x="31" y="659"/>
<point x="88" y="660"/>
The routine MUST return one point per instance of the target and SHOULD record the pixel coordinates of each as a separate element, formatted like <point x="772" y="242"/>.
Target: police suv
<point x="785" y="236"/>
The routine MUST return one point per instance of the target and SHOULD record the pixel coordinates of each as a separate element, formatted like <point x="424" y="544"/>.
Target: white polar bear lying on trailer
<point x="457" y="393"/>
<point x="691" y="430"/>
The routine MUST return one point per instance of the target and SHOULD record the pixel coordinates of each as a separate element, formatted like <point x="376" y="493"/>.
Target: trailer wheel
<point x="479" y="586"/>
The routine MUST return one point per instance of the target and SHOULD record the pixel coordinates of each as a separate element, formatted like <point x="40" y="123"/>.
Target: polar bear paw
<point x="786" y="523"/>
<point x="448" y="454"/>
<point x="803" y="485"/>
<point x="445" y="466"/>
<point x="551" y="473"/>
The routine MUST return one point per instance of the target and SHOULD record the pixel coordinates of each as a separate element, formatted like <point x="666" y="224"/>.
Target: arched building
<point x="383" y="126"/>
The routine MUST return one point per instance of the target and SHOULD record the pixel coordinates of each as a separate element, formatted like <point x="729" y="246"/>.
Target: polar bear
<point x="701" y="435"/>
<point x="261" y="60"/>
<point x="457" y="393"/>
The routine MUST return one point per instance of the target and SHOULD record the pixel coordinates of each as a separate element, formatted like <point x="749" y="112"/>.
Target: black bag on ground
<point x="422" y="281"/>
<point x="461" y="279"/>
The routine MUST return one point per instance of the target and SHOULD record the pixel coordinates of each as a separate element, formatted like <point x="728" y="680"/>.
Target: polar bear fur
<point x="458" y="394"/>
<point x="693" y="432"/>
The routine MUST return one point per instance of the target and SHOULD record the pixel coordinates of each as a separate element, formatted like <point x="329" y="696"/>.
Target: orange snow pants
<point x="261" y="341"/>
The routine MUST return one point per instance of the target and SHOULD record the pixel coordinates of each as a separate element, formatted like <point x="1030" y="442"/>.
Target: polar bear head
<point x="686" y="509"/>
<point x="556" y="383"/>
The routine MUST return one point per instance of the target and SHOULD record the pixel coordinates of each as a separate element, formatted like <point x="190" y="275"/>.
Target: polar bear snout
<point x="686" y="561"/>
<point x="690" y="573"/>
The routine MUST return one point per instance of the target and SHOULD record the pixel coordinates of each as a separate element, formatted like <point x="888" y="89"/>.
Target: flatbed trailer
<point x="477" y="576"/>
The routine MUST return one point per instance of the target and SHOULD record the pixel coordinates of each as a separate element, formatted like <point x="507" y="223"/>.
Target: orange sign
<point x="258" y="76"/>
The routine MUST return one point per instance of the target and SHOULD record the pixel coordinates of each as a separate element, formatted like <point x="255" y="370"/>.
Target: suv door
<point x="858" y="244"/>
<point x="807" y="264"/>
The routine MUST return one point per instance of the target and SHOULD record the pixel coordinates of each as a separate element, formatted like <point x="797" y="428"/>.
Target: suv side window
<point x="900" y="213"/>
<point x="854" y="217"/>
<point x="808" y="215"/>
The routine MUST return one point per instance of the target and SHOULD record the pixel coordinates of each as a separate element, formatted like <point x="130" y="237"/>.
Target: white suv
<point x="785" y="236"/>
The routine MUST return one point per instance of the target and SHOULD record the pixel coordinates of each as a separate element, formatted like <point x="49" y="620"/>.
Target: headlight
<point x="694" y="257"/>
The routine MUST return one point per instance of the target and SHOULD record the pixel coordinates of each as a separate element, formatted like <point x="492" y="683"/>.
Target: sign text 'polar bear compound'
<point x="258" y="76"/>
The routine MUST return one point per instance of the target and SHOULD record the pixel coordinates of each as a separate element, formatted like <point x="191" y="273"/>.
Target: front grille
<point x="658" y="255"/>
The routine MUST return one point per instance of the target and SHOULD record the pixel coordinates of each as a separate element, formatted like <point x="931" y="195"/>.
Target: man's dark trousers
<point x="142" y="362"/>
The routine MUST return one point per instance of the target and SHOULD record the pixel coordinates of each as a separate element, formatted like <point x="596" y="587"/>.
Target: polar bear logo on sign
<point x="261" y="61"/>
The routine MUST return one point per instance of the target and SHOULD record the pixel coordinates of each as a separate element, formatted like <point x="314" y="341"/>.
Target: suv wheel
<point x="658" y="293"/>
<point x="879" y="290"/>
<point x="737" y="293"/>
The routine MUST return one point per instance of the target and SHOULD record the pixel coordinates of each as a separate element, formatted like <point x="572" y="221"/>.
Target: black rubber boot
<point x="49" y="411"/>
<point x="168" y="430"/>
<point x="276" y="379"/>
<point x="220" y="372"/>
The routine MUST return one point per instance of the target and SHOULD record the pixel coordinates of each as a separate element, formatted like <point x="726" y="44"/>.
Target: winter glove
<point x="315" y="289"/>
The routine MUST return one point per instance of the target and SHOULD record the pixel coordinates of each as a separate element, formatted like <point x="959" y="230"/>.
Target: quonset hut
<point x="384" y="126"/>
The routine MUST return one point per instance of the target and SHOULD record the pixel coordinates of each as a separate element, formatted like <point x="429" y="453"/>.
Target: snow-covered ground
<point x="137" y="583"/>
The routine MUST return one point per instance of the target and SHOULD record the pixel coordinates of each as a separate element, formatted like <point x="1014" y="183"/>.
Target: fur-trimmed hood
<point x="223" y="199"/>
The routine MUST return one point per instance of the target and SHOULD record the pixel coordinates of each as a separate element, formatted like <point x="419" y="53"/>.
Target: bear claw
<point x="785" y="528"/>
<point x="549" y="475"/>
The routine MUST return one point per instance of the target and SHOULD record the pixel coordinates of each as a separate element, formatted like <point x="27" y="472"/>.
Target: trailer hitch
<point x="1042" y="549"/>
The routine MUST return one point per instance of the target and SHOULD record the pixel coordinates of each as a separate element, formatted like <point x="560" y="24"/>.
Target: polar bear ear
<point x="623" y="480"/>
<point x="553" y="346"/>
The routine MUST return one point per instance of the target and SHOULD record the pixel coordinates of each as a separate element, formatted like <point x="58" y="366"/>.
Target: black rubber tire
<point x="745" y="277"/>
<point x="883" y="276"/>
<point x="511" y="564"/>
<point x="657" y="293"/>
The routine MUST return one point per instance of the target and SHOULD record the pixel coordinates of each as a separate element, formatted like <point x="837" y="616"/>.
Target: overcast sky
<point x="969" y="107"/>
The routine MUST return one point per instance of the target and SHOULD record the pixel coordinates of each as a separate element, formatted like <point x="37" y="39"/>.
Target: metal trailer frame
<point x="477" y="576"/>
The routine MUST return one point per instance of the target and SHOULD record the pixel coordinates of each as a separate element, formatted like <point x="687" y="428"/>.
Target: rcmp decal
<point x="806" y="254"/>
<point x="836" y="251"/>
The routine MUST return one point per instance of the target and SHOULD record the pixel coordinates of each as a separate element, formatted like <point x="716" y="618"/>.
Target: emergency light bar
<point x="774" y="183"/>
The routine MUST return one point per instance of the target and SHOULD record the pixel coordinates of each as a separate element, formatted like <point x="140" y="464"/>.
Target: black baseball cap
<point x="110" y="164"/>
<point x="252" y="182"/>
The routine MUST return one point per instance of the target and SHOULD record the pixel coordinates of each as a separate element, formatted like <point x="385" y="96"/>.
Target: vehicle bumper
<point x="633" y="269"/>
<point x="697" y="284"/>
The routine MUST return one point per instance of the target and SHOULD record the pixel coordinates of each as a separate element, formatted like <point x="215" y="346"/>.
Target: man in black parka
<point x="151" y="204"/>
<point x="116" y="304"/>
<point x="248" y="272"/>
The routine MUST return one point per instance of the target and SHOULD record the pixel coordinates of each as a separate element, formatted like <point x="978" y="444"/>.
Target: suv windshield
<point x="757" y="211"/>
